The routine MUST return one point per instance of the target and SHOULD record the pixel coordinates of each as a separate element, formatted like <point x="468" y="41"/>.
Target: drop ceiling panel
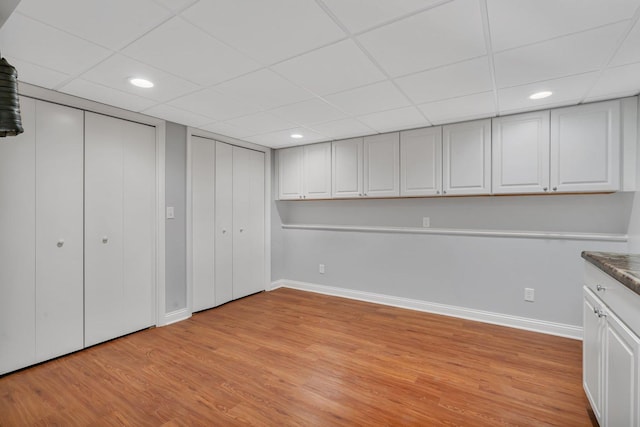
<point x="223" y="128"/>
<point x="37" y="43"/>
<point x="176" y="5"/>
<point x="368" y="99"/>
<point x="181" y="49"/>
<point x="621" y="81"/>
<point x="37" y="75"/>
<point x="216" y="105"/>
<point x="629" y="52"/>
<point x="458" y="109"/>
<point x="93" y="19"/>
<point x="261" y="123"/>
<point x="265" y="89"/>
<point x="401" y="118"/>
<point x="516" y="23"/>
<point x="463" y="78"/>
<point x="443" y="35"/>
<point x="344" y="128"/>
<point x="116" y="71"/>
<point x="176" y="115"/>
<point x="106" y="95"/>
<point x="283" y="138"/>
<point x="308" y="112"/>
<point x="358" y="15"/>
<point x="331" y="69"/>
<point x="564" y="56"/>
<point x="269" y="31"/>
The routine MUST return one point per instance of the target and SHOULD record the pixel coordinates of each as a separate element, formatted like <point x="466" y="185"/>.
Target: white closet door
<point x="382" y="165"/>
<point x="17" y="250"/>
<point x="119" y="227"/>
<point x="346" y="179"/>
<point x="203" y="211"/>
<point x="59" y="240"/>
<point x="248" y="222"/>
<point x="421" y="162"/>
<point x="224" y="224"/>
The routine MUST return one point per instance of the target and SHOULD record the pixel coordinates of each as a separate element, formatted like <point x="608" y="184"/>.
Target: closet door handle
<point x="241" y="230"/>
<point x="224" y="231"/>
<point x="105" y="240"/>
<point x="60" y="243"/>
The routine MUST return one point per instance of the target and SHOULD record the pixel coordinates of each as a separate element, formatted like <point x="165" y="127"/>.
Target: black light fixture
<point x="10" y="121"/>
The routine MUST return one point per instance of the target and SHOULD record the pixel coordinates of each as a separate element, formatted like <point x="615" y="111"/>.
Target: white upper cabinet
<point x="521" y="153"/>
<point x="290" y="164"/>
<point x="585" y="148"/>
<point x="317" y="171"/>
<point x="421" y="162"/>
<point x="346" y="156"/>
<point x="466" y="167"/>
<point x="382" y="165"/>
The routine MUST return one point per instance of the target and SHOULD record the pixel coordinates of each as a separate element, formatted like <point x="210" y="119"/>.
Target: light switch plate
<point x="171" y="212"/>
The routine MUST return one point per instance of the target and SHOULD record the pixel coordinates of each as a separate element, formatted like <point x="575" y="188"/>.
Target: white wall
<point x="483" y="273"/>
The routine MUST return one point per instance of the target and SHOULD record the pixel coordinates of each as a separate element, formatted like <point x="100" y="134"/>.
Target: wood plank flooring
<point x="295" y="358"/>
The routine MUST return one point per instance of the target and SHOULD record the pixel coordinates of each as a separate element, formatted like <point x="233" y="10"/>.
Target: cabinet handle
<point x="60" y="243"/>
<point x="444" y="191"/>
<point x="595" y="310"/>
<point x="365" y="194"/>
<point x="105" y="240"/>
<point x="601" y="288"/>
<point x="304" y="197"/>
<point x="545" y="189"/>
<point x="601" y="314"/>
<point x="438" y="192"/>
<point x="360" y="195"/>
<point x="555" y="188"/>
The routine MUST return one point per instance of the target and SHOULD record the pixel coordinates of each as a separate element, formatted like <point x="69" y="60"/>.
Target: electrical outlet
<point x="529" y="294"/>
<point x="426" y="222"/>
<point x="321" y="268"/>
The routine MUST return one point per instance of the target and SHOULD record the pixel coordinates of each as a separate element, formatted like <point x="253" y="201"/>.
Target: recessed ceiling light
<point x="296" y="136"/>
<point x="141" y="82"/>
<point x="540" y="95"/>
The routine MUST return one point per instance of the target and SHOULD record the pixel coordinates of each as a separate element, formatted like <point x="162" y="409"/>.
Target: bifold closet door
<point x="224" y="223"/>
<point x="248" y="222"/>
<point x="202" y="220"/>
<point x="119" y="227"/>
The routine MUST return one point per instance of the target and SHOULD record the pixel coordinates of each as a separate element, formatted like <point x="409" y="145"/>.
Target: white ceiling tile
<point x="268" y="31"/>
<point x="565" y="90"/>
<point x="261" y="123"/>
<point x="176" y="5"/>
<point x="618" y="81"/>
<point x="344" y="128"/>
<point x="95" y="92"/>
<point x="226" y="129"/>
<point x="176" y="115"/>
<point x="116" y="71"/>
<point x="369" y="99"/>
<point x="358" y="15"/>
<point x="630" y="50"/>
<point x="93" y="19"/>
<point x="283" y="138"/>
<point x="37" y="43"/>
<point x="463" y="78"/>
<point x="308" y="112"/>
<point x="445" y="34"/>
<point x="402" y="118"/>
<point x="264" y="88"/>
<point x="515" y="23"/>
<point x="462" y="108"/>
<point x="331" y="69"/>
<point x="578" y="53"/>
<point x="184" y="50"/>
<point x="214" y="104"/>
<point x="37" y="75"/>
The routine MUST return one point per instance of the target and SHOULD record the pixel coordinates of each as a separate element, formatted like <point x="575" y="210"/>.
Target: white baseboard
<point x="175" y="316"/>
<point x="551" y="328"/>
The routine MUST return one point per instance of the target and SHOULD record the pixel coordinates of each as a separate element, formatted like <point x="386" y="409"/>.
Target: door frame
<point x="268" y="154"/>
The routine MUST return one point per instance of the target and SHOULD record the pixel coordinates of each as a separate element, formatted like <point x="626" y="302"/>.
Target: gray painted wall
<point x="176" y="229"/>
<point x="485" y="273"/>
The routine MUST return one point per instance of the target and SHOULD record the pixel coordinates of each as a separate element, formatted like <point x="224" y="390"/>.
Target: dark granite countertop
<point x="625" y="268"/>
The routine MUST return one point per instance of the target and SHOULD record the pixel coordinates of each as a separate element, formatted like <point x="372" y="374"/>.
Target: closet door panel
<point x="139" y="184"/>
<point x="203" y="204"/>
<point x="59" y="240"/>
<point x="17" y="251"/>
<point x="248" y="214"/>
<point x="224" y="224"/>
<point x="104" y="179"/>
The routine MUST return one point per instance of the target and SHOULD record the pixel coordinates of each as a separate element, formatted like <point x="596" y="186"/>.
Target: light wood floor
<point x="294" y="358"/>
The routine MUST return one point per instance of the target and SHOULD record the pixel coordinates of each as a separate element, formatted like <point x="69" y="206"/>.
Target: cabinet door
<point x="466" y="157"/>
<point x="248" y="222"/>
<point x="520" y="147"/>
<point x="290" y="170"/>
<point x="17" y="250"/>
<point x="585" y="148"/>
<point x="347" y="168"/>
<point x="202" y="222"/>
<point x="592" y="353"/>
<point x="317" y="171"/>
<point x="59" y="240"/>
<point x="382" y="165"/>
<point x="421" y="162"/>
<point x="621" y="373"/>
<point x="224" y="224"/>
